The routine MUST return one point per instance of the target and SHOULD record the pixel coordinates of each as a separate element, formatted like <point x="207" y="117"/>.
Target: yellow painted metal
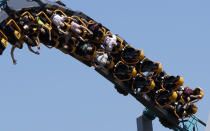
<point x="4" y="39"/>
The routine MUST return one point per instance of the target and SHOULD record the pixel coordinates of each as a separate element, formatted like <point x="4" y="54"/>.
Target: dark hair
<point x="190" y="110"/>
<point x="99" y="25"/>
<point x="196" y="91"/>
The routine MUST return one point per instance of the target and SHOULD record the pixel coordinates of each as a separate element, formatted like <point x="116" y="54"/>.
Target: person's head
<point x="78" y="31"/>
<point x="187" y="91"/>
<point x="197" y="91"/>
<point x="62" y="24"/>
<point x="100" y="25"/>
<point x="114" y="43"/>
<point x="43" y="30"/>
<point x="26" y="16"/>
<point x="26" y="27"/>
<point x="89" y="48"/>
<point x="49" y="12"/>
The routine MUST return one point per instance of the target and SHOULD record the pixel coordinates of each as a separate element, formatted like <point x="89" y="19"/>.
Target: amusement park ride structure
<point x="152" y="110"/>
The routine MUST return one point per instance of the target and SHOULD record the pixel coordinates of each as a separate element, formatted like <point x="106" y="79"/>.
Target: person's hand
<point x="91" y="33"/>
<point x="199" y="97"/>
<point x="66" y="33"/>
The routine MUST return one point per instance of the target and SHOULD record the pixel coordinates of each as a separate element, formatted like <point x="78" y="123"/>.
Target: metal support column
<point x="144" y="124"/>
<point x="208" y="124"/>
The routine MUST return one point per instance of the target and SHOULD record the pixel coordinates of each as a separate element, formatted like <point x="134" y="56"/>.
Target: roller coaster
<point x="76" y="34"/>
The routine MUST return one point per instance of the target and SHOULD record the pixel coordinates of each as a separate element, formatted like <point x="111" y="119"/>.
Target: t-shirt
<point x="74" y="26"/>
<point x="40" y="22"/>
<point x="57" y="19"/>
<point x="109" y="42"/>
<point x="101" y="59"/>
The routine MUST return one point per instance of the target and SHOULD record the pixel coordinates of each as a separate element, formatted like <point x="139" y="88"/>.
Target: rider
<point x="58" y="21"/>
<point x="42" y="26"/>
<point x="31" y="38"/>
<point x="196" y="94"/>
<point x="96" y="28"/>
<point x="183" y="110"/>
<point x="77" y="29"/>
<point x="110" y="42"/>
<point x="101" y="60"/>
<point x="85" y="49"/>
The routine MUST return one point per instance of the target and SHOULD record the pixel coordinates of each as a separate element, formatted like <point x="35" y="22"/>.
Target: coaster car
<point x="67" y="23"/>
<point x="102" y="36"/>
<point x="142" y="85"/>
<point x="119" y="46"/>
<point x="3" y="43"/>
<point x="85" y="51"/>
<point x="130" y="55"/>
<point x="45" y="19"/>
<point x="113" y="43"/>
<point x="183" y="111"/>
<point x="123" y="72"/>
<point x="71" y="45"/>
<point x="13" y="32"/>
<point x="184" y="94"/>
<point x="109" y="63"/>
<point x="29" y="14"/>
<point x="80" y="22"/>
<point x="172" y="82"/>
<point x="149" y="68"/>
<point x="50" y="44"/>
<point x="163" y="98"/>
<point x="60" y="12"/>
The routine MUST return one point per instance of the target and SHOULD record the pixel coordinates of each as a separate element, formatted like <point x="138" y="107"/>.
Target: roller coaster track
<point x="30" y="5"/>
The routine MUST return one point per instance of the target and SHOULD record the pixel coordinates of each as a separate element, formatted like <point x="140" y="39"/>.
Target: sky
<point x="55" y="92"/>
